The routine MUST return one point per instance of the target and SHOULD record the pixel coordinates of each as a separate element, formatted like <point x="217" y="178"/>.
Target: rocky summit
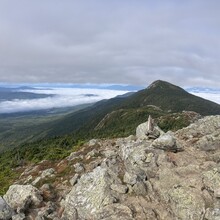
<point x="153" y="175"/>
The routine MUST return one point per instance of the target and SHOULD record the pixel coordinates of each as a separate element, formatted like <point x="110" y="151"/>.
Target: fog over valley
<point x="32" y="98"/>
<point x="55" y="98"/>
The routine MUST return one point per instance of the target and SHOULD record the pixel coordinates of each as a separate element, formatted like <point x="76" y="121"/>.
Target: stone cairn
<point x="148" y="130"/>
<point x="150" y="123"/>
<point x="152" y="131"/>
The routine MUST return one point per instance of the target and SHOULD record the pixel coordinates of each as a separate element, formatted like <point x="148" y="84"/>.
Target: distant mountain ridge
<point x="32" y="86"/>
<point x="172" y="98"/>
<point x="165" y="96"/>
<point x="120" y="116"/>
<point x="11" y="94"/>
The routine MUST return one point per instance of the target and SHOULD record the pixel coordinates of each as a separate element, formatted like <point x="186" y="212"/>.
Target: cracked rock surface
<point x="175" y="176"/>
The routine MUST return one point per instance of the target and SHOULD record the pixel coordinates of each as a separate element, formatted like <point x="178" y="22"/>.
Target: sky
<point x="110" y="41"/>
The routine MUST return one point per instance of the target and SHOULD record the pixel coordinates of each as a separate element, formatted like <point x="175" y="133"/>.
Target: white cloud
<point x="62" y="97"/>
<point x="212" y="95"/>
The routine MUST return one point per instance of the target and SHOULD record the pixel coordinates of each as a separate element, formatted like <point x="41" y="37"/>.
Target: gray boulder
<point x="74" y="179"/>
<point x="74" y="155"/>
<point x="119" y="188"/>
<point x="90" y="195"/>
<point x="209" y="142"/>
<point x="140" y="188"/>
<point x="212" y="214"/>
<point x="167" y="142"/>
<point x="115" y="212"/>
<point x="19" y="216"/>
<point x="48" y="173"/>
<point x="92" y="153"/>
<point x="93" y="142"/>
<point x="211" y="180"/>
<point x="217" y="193"/>
<point x="20" y="197"/>
<point x="187" y="203"/>
<point x="130" y="178"/>
<point x="47" y="212"/>
<point x="79" y="167"/>
<point x="205" y="126"/>
<point x="109" y="153"/>
<point x="5" y="210"/>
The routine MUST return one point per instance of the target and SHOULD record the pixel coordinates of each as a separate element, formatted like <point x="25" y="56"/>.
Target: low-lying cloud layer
<point x="212" y="95"/>
<point x="131" y="42"/>
<point x="68" y="97"/>
<point x="62" y="97"/>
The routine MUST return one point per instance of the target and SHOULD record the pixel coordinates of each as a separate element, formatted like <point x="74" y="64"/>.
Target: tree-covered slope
<point x="158" y="99"/>
<point x="171" y="98"/>
<point x="118" y="116"/>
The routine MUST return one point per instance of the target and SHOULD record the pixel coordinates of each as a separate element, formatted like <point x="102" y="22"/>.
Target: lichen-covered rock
<point x="74" y="179"/>
<point x="93" y="142"/>
<point x="92" y="153"/>
<point x="138" y="159"/>
<point x="186" y="203"/>
<point x="79" y="167"/>
<point x="140" y="188"/>
<point x="134" y="178"/>
<point x="167" y="142"/>
<point x="211" y="179"/>
<point x="110" y="153"/>
<point x="6" y="211"/>
<point x="119" y="188"/>
<point x="47" y="192"/>
<point x="217" y="193"/>
<point x="90" y="194"/>
<point x="130" y="178"/>
<point x="205" y="126"/>
<point x="19" y="216"/>
<point x="115" y="212"/>
<point x="47" y="212"/>
<point x="209" y="142"/>
<point x="126" y="147"/>
<point x="48" y="173"/>
<point x="212" y="214"/>
<point x="74" y="155"/>
<point x="20" y="197"/>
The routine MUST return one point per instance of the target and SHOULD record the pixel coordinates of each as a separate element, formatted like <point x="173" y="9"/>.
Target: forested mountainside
<point x="115" y="117"/>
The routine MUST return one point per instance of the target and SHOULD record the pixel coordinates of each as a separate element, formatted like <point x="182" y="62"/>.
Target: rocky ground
<point x="153" y="175"/>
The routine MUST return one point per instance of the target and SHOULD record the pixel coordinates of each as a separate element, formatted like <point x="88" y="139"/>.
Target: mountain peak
<point x="163" y="86"/>
<point x="157" y="83"/>
<point x="160" y="84"/>
<point x="171" y="98"/>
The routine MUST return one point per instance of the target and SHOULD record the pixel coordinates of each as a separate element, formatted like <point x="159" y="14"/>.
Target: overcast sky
<point x="110" y="41"/>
